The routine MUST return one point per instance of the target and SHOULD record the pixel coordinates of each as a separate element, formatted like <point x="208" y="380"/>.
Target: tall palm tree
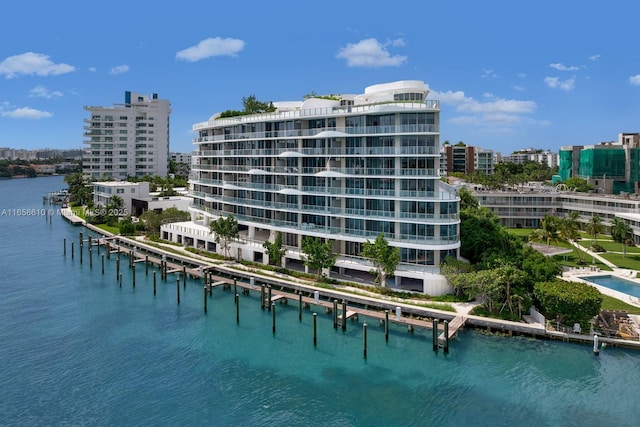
<point x="621" y="233"/>
<point x="569" y="227"/>
<point x="594" y="226"/>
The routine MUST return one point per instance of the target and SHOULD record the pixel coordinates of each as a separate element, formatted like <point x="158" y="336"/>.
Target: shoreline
<point x="535" y="330"/>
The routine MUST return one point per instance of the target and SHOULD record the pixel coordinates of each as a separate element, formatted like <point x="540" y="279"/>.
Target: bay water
<point x="78" y="350"/>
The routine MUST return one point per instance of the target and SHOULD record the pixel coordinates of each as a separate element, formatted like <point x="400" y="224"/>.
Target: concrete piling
<point x="434" y="324"/>
<point x="300" y="307"/>
<point x="386" y="325"/>
<point x="273" y="316"/>
<point x="237" y="309"/>
<point x="364" y="339"/>
<point x="344" y="315"/>
<point x="154" y="282"/>
<point x="446" y="337"/>
<point x="205" y="299"/>
<point x="315" y="329"/>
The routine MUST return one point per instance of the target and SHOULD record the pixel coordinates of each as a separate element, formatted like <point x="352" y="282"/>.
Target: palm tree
<point x="548" y="232"/>
<point x="569" y="227"/>
<point x="594" y="226"/>
<point x="621" y="233"/>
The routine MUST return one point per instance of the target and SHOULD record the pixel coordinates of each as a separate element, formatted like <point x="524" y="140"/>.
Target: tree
<point x="275" y="250"/>
<point x="152" y="221"/>
<point x="467" y="201"/>
<point x="81" y="193"/>
<point x="483" y="284"/>
<point x="481" y="234"/>
<point x="225" y="230"/>
<point x="621" y="233"/>
<point x="385" y="258"/>
<point x="594" y="226"/>
<point x="568" y="302"/>
<point x="569" y="231"/>
<point x="578" y="184"/>
<point x="548" y="232"/>
<point x="451" y="267"/>
<point x="317" y="254"/>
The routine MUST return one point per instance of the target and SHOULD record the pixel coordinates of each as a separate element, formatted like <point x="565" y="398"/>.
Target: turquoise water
<point x="616" y="283"/>
<point x="76" y="349"/>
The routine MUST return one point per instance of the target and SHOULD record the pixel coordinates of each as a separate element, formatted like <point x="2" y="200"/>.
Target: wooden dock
<point x="455" y="324"/>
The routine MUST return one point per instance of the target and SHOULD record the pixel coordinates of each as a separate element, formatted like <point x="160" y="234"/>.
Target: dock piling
<point x="300" y="307"/>
<point x="315" y="329"/>
<point x="344" y="315"/>
<point x="205" y="299"/>
<point x="434" y="329"/>
<point x="102" y="258"/>
<point x="65" y="246"/>
<point x="133" y="272"/>
<point x="154" y="282"/>
<point x="386" y="325"/>
<point x="120" y="279"/>
<point x="237" y="309"/>
<point x="446" y="337"/>
<point x="273" y="316"/>
<point x="364" y="339"/>
<point x="335" y="314"/>
<point x="178" y="289"/>
<point x="72" y="250"/>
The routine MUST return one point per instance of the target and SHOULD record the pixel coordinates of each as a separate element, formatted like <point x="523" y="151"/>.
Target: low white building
<point x="127" y="191"/>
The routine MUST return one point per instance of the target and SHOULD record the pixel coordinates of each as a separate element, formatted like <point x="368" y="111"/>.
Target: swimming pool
<point x="616" y="283"/>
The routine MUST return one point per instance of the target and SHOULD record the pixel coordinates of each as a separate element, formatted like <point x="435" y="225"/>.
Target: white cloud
<point x="494" y="111"/>
<point x="42" y="92"/>
<point x="92" y="69"/>
<point x="560" y="67"/>
<point x="211" y="47"/>
<point x="556" y="83"/>
<point x="635" y="80"/>
<point x="594" y="58"/>
<point x="120" y="69"/>
<point x="370" y="53"/>
<point x="30" y="63"/>
<point x="26" y="113"/>
<point x="489" y="74"/>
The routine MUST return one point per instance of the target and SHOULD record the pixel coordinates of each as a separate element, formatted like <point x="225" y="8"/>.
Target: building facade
<point x="611" y="167"/>
<point x="130" y="139"/>
<point x="344" y="169"/>
<point x="466" y="159"/>
<point x="527" y="209"/>
<point x="548" y="158"/>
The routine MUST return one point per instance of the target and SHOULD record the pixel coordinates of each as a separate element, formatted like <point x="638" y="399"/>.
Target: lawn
<point x="610" y="303"/>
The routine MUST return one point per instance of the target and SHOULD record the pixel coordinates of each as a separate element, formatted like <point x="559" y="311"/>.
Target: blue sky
<point x="509" y="74"/>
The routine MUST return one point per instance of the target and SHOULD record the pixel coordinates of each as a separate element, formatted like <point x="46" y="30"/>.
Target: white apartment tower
<point x="130" y="139"/>
<point x="343" y="168"/>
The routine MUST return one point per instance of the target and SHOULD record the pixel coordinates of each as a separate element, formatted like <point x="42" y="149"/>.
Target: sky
<point x="509" y="75"/>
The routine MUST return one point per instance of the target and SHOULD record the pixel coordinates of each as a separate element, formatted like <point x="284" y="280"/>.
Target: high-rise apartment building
<point x="343" y="168"/>
<point x="130" y="139"/>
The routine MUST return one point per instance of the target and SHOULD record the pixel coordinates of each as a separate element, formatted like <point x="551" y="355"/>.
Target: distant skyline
<point x="509" y="75"/>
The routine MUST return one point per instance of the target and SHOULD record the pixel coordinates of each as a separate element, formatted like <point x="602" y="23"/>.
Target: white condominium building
<point x="130" y="139"/>
<point x="343" y="168"/>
